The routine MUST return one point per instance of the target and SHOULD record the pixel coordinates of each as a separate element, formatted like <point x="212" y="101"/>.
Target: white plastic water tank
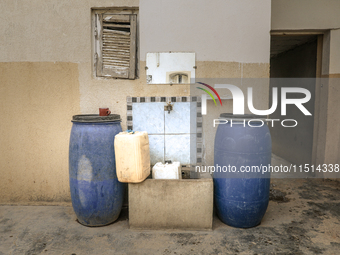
<point x="167" y="171"/>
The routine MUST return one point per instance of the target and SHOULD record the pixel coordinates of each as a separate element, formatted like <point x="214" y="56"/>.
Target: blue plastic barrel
<point x="242" y="157"/>
<point x="97" y="196"/>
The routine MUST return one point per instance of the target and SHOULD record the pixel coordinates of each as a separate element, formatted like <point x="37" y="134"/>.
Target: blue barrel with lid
<point x="97" y="196"/>
<point x="242" y="153"/>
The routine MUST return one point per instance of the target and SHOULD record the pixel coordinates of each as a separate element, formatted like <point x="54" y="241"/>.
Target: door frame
<point x="321" y="89"/>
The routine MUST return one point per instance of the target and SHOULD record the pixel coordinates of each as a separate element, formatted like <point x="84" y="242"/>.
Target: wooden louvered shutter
<point x="116" y="45"/>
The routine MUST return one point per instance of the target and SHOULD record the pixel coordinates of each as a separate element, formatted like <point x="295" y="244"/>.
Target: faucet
<point x="168" y="107"/>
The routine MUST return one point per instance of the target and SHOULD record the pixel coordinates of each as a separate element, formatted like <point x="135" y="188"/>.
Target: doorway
<point x="294" y="63"/>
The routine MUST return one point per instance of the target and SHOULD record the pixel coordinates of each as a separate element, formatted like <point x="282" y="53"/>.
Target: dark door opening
<point x="294" y="56"/>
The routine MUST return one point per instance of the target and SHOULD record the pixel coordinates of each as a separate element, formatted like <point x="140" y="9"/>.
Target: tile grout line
<point x="131" y="100"/>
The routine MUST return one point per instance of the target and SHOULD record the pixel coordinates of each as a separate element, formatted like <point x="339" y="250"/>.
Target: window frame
<point x="95" y="58"/>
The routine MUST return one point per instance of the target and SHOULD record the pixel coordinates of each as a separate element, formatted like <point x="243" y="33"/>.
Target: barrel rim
<point x="95" y="118"/>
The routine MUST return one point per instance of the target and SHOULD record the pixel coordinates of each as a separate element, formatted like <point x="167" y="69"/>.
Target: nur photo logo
<point x="238" y="98"/>
<point x="213" y="90"/>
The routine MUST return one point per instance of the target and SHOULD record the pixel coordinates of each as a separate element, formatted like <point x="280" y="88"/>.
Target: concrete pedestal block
<point x="172" y="204"/>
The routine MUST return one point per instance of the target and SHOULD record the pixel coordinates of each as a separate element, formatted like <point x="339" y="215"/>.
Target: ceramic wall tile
<point x="156" y="145"/>
<point x="177" y="148"/>
<point x="171" y="136"/>
<point x="178" y="120"/>
<point x="148" y="117"/>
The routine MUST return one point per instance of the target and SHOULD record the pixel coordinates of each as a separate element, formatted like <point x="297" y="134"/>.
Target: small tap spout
<point x="168" y="107"/>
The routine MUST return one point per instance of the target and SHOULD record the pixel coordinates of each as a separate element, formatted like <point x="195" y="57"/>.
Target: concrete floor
<point x="303" y="217"/>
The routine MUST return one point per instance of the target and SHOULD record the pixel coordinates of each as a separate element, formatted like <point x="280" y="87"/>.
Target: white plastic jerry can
<point x="132" y="156"/>
<point x="167" y="171"/>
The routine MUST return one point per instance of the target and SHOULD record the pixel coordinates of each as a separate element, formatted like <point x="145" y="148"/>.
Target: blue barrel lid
<point x="95" y="118"/>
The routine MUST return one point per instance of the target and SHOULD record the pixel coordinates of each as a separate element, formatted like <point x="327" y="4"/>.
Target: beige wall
<point x="37" y="100"/>
<point x="334" y="58"/>
<point x="46" y="74"/>
<point x="332" y="152"/>
<point x="305" y="14"/>
<point x="49" y="30"/>
<point x="219" y="30"/>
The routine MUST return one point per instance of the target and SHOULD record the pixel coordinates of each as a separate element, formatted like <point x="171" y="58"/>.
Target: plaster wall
<point x="37" y="100"/>
<point x="46" y="74"/>
<point x="305" y="14"/>
<point x="334" y="58"/>
<point x="332" y="150"/>
<point x="220" y="30"/>
<point x="43" y="31"/>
